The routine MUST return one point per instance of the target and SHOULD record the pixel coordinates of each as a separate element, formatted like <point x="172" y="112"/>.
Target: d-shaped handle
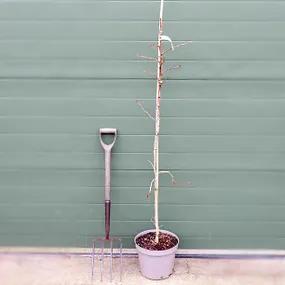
<point x="108" y="131"/>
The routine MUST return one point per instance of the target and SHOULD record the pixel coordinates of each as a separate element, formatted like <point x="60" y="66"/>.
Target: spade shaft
<point x="107" y="189"/>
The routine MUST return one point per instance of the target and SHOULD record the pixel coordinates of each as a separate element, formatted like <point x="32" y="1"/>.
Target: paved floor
<point x="68" y="269"/>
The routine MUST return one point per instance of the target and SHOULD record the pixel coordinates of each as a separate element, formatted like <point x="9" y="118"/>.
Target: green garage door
<point x="70" y="67"/>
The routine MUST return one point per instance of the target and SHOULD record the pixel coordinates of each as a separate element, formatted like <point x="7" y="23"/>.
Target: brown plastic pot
<point x="156" y="264"/>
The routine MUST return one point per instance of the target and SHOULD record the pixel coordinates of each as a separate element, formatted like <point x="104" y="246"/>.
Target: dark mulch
<point x="147" y="241"/>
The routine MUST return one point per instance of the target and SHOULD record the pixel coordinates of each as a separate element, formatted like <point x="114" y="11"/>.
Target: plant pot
<point x="156" y="264"/>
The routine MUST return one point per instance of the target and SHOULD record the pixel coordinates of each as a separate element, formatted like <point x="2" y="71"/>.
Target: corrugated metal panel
<point x="70" y="67"/>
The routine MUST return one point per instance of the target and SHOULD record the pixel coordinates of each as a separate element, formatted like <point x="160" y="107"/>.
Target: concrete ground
<point x="75" y="269"/>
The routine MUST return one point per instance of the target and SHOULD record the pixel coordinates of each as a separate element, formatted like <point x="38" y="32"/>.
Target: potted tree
<point x="156" y="248"/>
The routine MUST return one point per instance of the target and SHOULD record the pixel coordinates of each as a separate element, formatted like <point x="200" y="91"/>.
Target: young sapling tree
<point x="160" y="72"/>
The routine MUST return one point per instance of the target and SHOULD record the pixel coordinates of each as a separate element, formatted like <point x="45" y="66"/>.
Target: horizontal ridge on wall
<point x="171" y="126"/>
<point x="176" y="144"/>
<point x="141" y="89"/>
<point x="114" y="69"/>
<point x="139" y="161"/>
<point x="142" y="10"/>
<point x="128" y="30"/>
<point x="172" y="195"/>
<point x="92" y="49"/>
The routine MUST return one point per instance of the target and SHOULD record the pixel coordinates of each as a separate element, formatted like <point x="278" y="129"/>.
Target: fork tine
<point x="102" y="261"/>
<point x="111" y="260"/>
<point x="105" y="249"/>
<point x="93" y="258"/>
<point x="121" y="259"/>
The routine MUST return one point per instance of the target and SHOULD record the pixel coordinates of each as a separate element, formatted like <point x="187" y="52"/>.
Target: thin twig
<point x="150" y="162"/>
<point x="176" y="46"/>
<point x="148" y="72"/>
<point x="172" y="68"/>
<point x="183" y="184"/>
<point x="153" y="45"/>
<point x="144" y="110"/>
<point x="150" y="188"/>
<point x="183" y="44"/>
<point x="167" y="38"/>
<point x="173" y="181"/>
<point x="147" y="57"/>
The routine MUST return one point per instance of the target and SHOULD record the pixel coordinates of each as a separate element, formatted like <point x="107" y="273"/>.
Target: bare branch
<point x="147" y="57"/>
<point x="183" y="184"/>
<point x="144" y="110"/>
<point x="150" y="162"/>
<point x="176" y="46"/>
<point x="172" y="68"/>
<point x="153" y="45"/>
<point x="173" y="181"/>
<point x="167" y="38"/>
<point x="150" y="188"/>
<point x="183" y="44"/>
<point x="148" y="72"/>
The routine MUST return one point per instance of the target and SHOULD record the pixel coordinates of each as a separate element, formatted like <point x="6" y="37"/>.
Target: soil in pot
<point x="147" y="241"/>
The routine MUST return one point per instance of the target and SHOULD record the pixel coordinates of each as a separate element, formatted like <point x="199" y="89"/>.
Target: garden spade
<point x="103" y="247"/>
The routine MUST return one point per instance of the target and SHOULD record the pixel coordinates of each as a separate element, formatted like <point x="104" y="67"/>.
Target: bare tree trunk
<point x="159" y="81"/>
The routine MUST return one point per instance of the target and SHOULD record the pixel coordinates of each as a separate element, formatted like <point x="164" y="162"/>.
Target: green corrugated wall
<point x="70" y="67"/>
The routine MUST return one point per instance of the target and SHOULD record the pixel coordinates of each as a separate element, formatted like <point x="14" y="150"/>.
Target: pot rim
<point x="156" y="252"/>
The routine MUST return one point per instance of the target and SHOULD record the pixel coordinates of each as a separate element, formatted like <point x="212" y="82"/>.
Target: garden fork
<point x="106" y="245"/>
